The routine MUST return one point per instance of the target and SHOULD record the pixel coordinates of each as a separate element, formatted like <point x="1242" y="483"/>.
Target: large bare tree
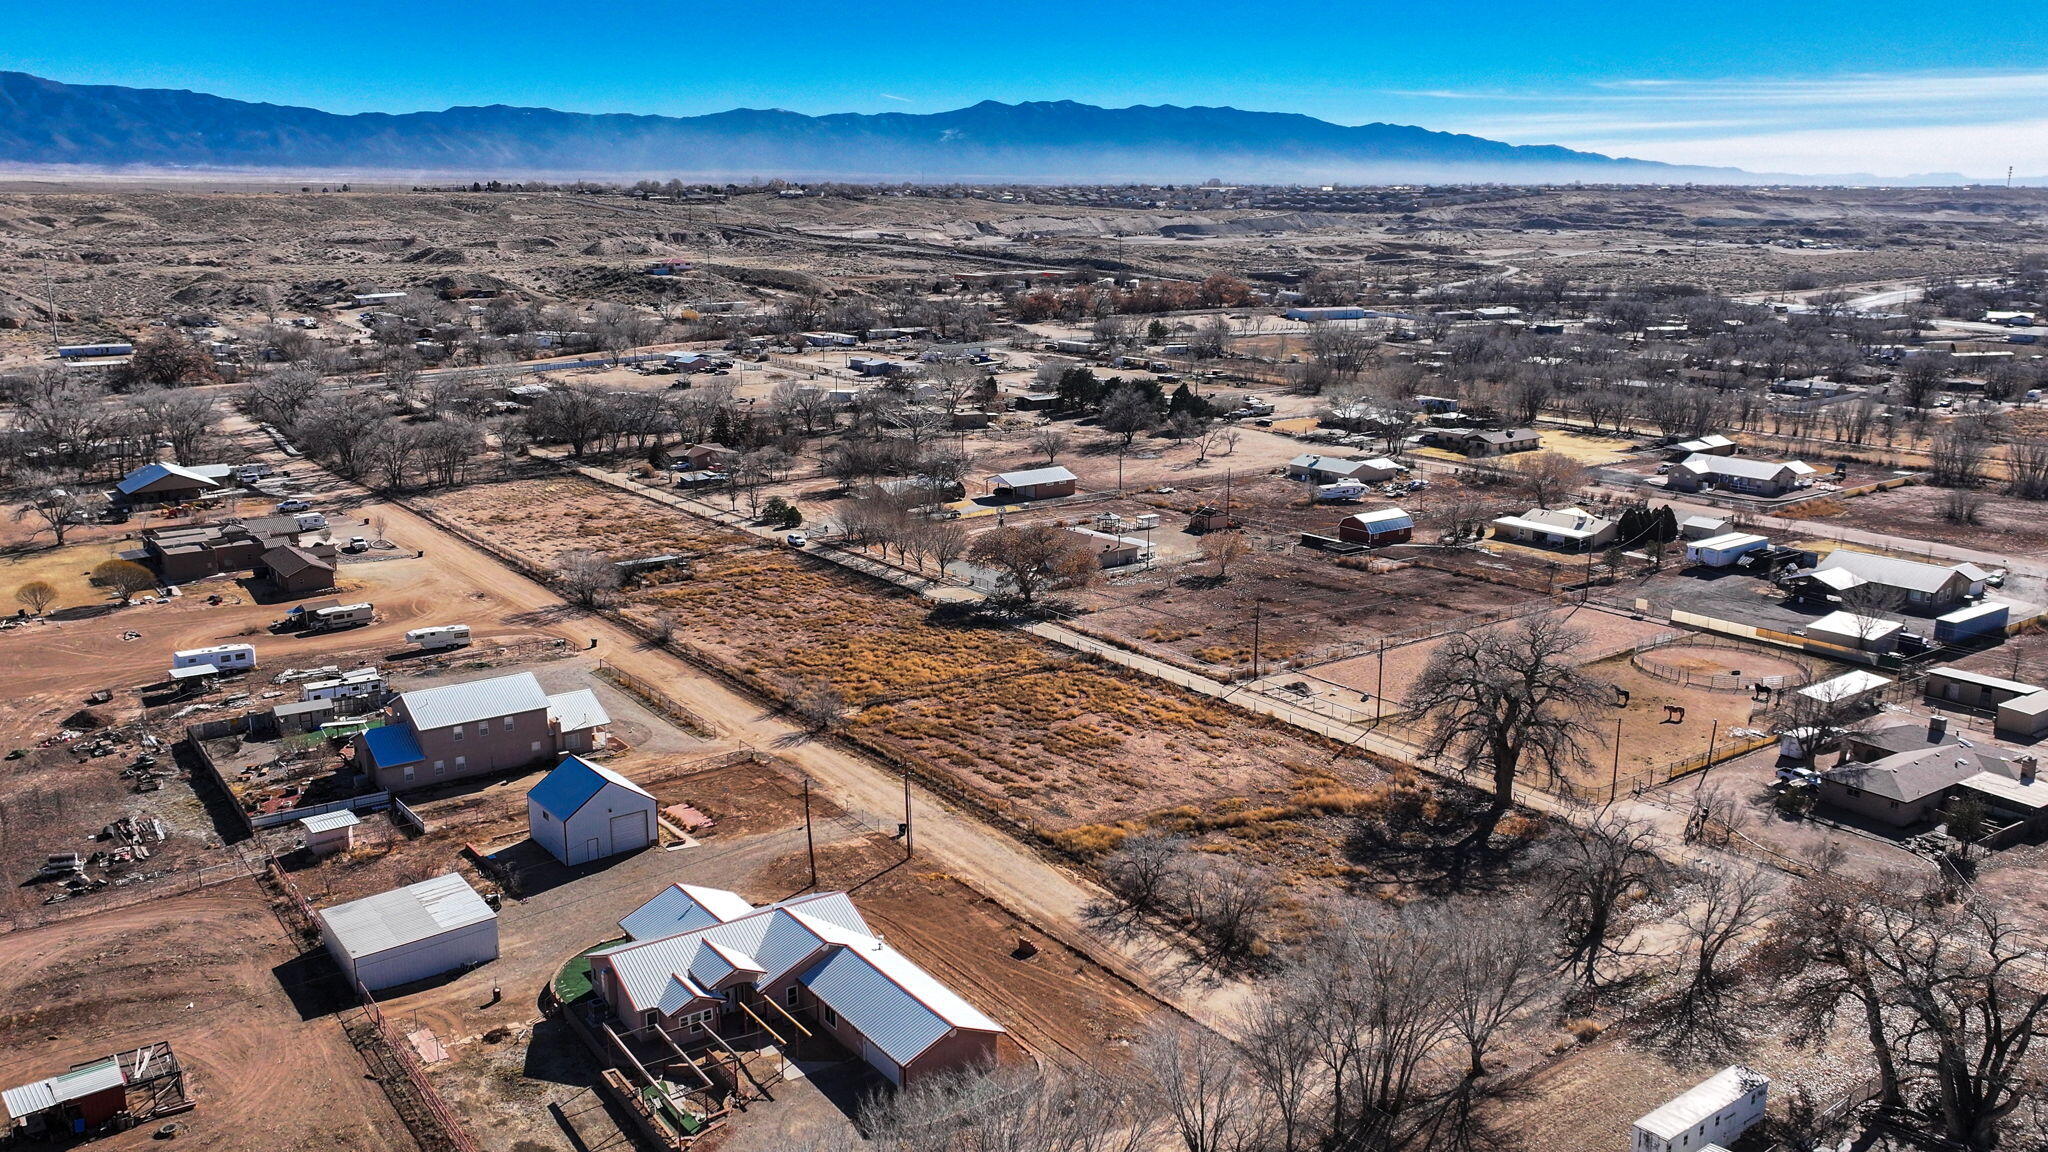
<point x="1506" y="700"/>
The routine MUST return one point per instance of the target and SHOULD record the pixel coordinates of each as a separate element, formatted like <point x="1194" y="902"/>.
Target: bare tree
<point x="1050" y="442"/>
<point x="1504" y="700"/>
<point x="1211" y="1104"/>
<point x="1224" y="549"/>
<point x="1601" y="867"/>
<point x="125" y="577"/>
<point x="1127" y="411"/>
<point x="1034" y="558"/>
<point x="36" y="596"/>
<point x="2026" y="469"/>
<point x="1727" y="903"/>
<point x="52" y="507"/>
<point x="1548" y="477"/>
<point x="588" y="579"/>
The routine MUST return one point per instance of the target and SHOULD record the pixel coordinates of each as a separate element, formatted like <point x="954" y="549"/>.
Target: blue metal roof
<point x="392" y="745"/>
<point x="574" y="781"/>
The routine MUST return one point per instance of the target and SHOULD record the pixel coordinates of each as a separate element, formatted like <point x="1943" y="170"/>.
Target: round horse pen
<point x="1721" y="665"/>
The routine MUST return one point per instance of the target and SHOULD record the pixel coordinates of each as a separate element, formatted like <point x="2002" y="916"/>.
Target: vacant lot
<point x="1918" y="512"/>
<point x="1018" y="724"/>
<point x="214" y="974"/>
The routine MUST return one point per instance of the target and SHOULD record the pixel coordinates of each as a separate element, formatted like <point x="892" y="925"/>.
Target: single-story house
<point x="1864" y="632"/>
<point x="198" y="551"/>
<point x="831" y="339"/>
<point x="1034" y="483"/>
<point x="172" y="483"/>
<point x="1331" y="469"/>
<point x="703" y="963"/>
<point x="1904" y="773"/>
<point x="1846" y="689"/>
<point x="1112" y="551"/>
<point x="1571" y="528"/>
<point x="1926" y="588"/>
<point x="1474" y="442"/>
<point x="702" y="457"/>
<point x="1721" y="551"/>
<point x="411" y="933"/>
<point x="1379" y="526"/>
<point x="582" y="812"/>
<point x="1737" y="474"/>
<point x="296" y="571"/>
<point x="2024" y="717"/>
<point x="434" y="735"/>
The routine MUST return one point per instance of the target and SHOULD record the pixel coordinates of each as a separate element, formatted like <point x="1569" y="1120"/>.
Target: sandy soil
<point x="216" y="976"/>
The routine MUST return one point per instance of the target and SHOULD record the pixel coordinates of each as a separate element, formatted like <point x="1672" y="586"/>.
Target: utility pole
<point x="1613" y="784"/>
<point x="810" y="842"/>
<point x="1379" y="683"/>
<point x="907" y="833"/>
<point x="1258" y="610"/>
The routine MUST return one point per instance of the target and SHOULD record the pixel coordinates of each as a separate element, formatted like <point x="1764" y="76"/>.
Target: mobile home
<point x="438" y="637"/>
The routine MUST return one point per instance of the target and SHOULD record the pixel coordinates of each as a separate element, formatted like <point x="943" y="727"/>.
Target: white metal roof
<point x="1697" y="1104"/>
<point x="1964" y="676"/>
<point x="1572" y="523"/>
<point x="1386" y="518"/>
<point x="1744" y="466"/>
<point x="578" y="710"/>
<point x="681" y="908"/>
<point x="1844" y="687"/>
<point x="1891" y="571"/>
<point x="1031" y="476"/>
<point x="1850" y="624"/>
<point x="43" y="1095"/>
<point x="405" y="915"/>
<point x="1730" y="540"/>
<point x="330" y="821"/>
<point x="1974" y="611"/>
<point x="2032" y="704"/>
<point x="489" y="699"/>
<point x="149" y="474"/>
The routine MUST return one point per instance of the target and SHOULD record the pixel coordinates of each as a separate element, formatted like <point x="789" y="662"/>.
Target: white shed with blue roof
<point x="582" y="812"/>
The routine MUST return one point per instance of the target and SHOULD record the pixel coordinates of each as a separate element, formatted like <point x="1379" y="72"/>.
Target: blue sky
<point x="1803" y="86"/>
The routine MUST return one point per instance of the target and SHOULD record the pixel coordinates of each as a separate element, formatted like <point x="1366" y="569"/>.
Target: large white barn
<point x="582" y="812"/>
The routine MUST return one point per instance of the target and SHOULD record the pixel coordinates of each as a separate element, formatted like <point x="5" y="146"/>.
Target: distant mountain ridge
<point x="47" y="123"/>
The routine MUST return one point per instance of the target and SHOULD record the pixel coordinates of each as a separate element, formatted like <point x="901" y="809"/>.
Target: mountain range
<point x="46" y="124"/>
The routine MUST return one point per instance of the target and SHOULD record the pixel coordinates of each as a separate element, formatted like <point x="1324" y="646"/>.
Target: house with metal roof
<point x="433" y="735"/>
<point x="1034" y="483"/>
<point x="1923" y="588"/>
<point x="1574" y="529"/>
<point x="1332" y="469"/>
<point x="1743" y="474"/>
<point x="1709" y="1114"/>
<point x="412" y="933"/>
<point x="714" y="968"/>
<point x="582" y="812"/>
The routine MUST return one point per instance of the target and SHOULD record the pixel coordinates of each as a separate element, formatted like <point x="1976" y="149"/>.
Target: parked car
<point x="294" y="505"/>
<point x="1798" y="777"/>
<point x="797" y="539"/>
<point x="358" y="544"/>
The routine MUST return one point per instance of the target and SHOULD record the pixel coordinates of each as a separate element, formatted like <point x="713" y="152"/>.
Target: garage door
<point x="629" y="832"/>
<point x="881" y="1063"/>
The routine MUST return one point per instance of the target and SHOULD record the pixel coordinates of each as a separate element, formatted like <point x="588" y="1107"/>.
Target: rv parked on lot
<point x="439" y="637"/>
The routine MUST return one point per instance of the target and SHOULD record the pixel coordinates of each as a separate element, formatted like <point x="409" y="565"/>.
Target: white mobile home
<point x="411" y="933"/>
<point x="1716" y="1111"/>
<point x="582" y="812"/>
<point x="349" y="685"/>
<point x="220" y="657"/>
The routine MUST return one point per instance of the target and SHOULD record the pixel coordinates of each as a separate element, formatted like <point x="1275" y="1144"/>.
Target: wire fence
<point x="1648" y="659"/>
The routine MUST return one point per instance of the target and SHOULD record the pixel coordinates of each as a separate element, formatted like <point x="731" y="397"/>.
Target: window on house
<point x="440" y="767"/>
<point x="794" y="996"/>
<point x="408" y="773"/>
<point x="697" y="1022"/>
<point x="458" y="733"/>
<point x="830" y="1017"/>
<point x="508" y="723"/>
<point x="536" y="747"/>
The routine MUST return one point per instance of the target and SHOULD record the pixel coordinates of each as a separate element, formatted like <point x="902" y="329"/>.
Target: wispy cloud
<point x="892" y="96"/>
<point x="1885" y="124"/>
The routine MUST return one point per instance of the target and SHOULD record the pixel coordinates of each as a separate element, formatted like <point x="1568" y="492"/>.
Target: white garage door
<point x="629" y="832"/>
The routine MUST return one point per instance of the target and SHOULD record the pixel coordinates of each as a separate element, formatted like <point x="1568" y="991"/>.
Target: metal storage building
<point x="330" y="832"/>
<point x="1721" y="551"/>
<point x="1986" y="619"/>
<point x="411" y="933"/>
<point x="582" y="812"/>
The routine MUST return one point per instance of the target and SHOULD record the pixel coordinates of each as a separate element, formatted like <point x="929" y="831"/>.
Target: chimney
<point x="1937" y="728"/>
<point x="2030" y="766"/>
